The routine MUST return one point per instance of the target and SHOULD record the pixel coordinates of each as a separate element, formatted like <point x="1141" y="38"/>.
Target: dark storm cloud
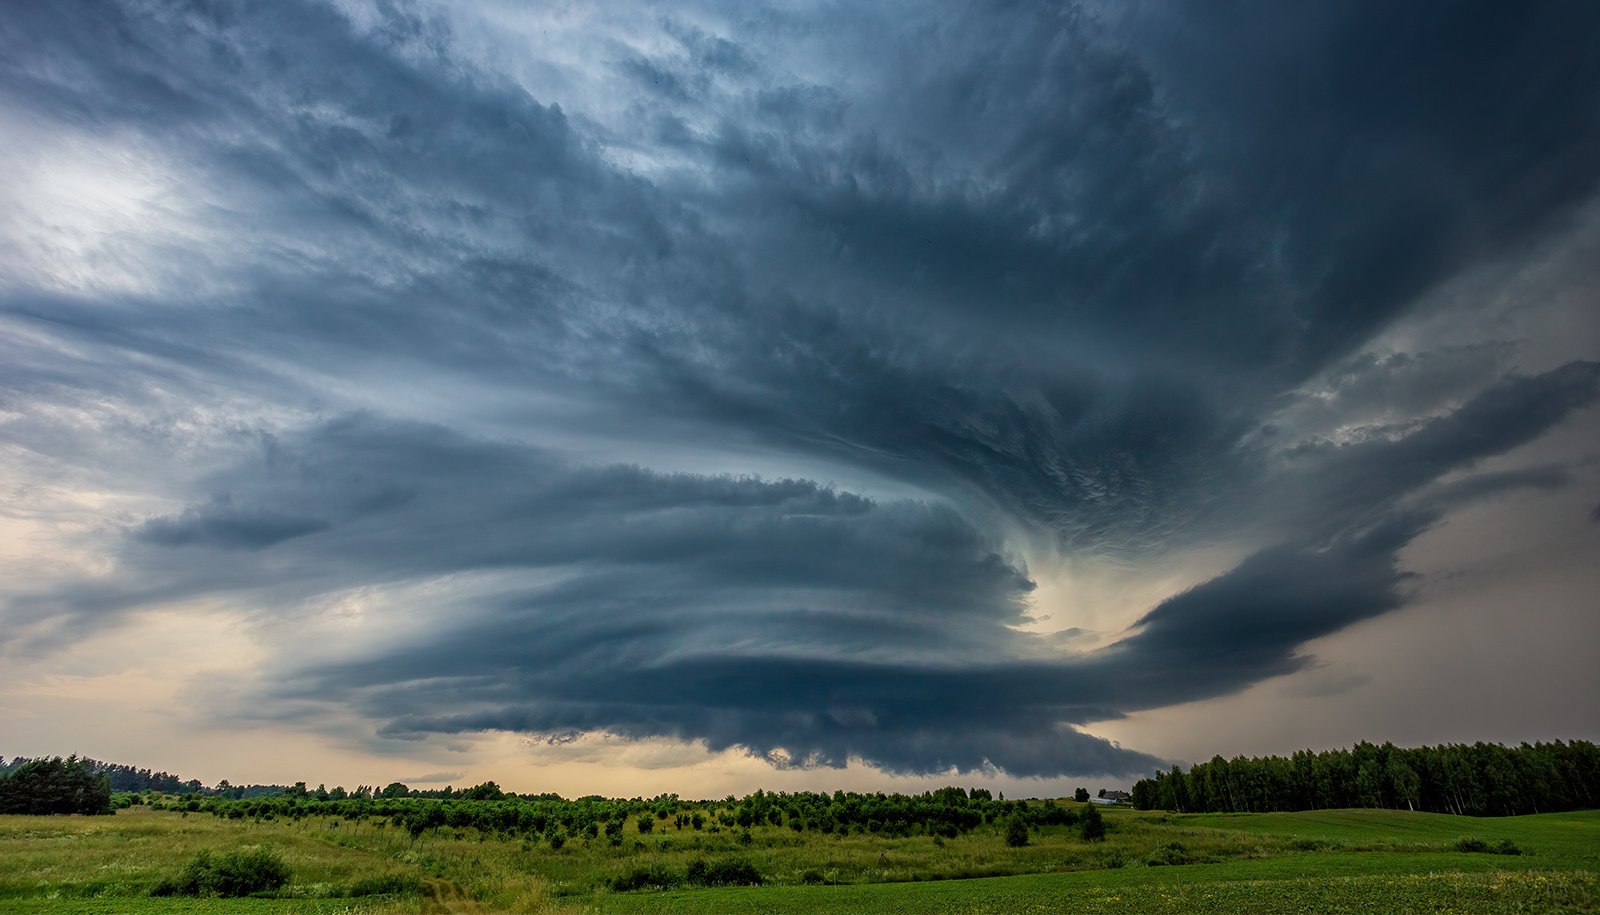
<point x="1380" y="389"/>
<point x="229" y="528"/>
<point x="1364" y="503"/>
<point x="1054" y="370"/>
<point x="366" y="500"/>
<point x="803" y="624"/>
<point x="1108" y="285"/>
<point x="778" y="616"/>
<point x="1052" y="267"/>
<point x="1342" y="485"/>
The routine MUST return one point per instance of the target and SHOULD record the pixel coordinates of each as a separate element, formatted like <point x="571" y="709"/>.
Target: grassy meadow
<point x="1322" y="861"/>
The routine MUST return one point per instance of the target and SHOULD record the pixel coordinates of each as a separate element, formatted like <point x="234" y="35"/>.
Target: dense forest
<point x="1482" y="779"/>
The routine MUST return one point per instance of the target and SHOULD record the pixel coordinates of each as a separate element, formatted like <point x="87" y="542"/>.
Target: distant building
<point x="1112" y="797"/>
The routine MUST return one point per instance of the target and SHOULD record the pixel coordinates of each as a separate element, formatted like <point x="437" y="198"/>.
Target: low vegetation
<point x="236" y="873"/>
<point x="1145" y="861"/>
<point x="481" y="849"/>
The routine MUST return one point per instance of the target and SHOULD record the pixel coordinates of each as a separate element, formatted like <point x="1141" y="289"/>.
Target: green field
<point x="1324" y="861"/>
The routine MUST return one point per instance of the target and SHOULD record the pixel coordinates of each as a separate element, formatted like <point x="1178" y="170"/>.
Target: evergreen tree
<point x="56" y="785"/>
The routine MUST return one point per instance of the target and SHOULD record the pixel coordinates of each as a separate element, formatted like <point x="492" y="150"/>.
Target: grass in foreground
<point x="1323" y="861"/>
<point x="1200" y="888"/>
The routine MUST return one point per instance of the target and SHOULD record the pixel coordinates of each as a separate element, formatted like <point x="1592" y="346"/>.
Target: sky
<point x="630" y="398"/>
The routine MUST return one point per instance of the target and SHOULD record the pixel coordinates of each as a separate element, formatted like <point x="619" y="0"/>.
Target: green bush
<point x="386" y="885"/>
<point x="1016" y="832"/>
<point x="648" y="876"/>
<point x="1478" y="846"/>
<point x="1168" y="854"/>
<point x="726" y="872"/>
<point x="236" y="873"/>
<point x="1092" y="825"/>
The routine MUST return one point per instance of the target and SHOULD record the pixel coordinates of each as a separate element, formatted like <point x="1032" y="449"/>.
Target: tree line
<point x="947" y="812"/>
<point x="132" y="778"/>
<point x="1480" y="779"/>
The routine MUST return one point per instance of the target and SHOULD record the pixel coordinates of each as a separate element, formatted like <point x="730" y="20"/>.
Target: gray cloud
<point x="226" y="527"/>
<point x="800" y="623"/>
<point x="1339" y="485"/>
<point x="1107" y="281"/>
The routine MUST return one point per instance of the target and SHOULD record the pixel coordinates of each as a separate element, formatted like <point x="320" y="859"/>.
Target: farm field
<point x="1322" y="861"/>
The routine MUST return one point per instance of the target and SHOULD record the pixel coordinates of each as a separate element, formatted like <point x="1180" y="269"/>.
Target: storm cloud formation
<point x="715" y="374"/>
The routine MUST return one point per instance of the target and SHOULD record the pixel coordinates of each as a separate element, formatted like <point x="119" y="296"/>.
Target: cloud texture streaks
<point x="746" y="374"/>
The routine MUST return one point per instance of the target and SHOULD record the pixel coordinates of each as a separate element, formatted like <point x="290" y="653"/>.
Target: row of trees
<point x="133" y="779"/>
<point x="1481" y="779"/>
<point x="948" y="812"/>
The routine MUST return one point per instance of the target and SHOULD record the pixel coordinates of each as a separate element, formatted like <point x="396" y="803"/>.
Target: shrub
<point x="1092" y="825"/>
<point x="1475" y="845"/>
<point x="1016" y="832"/>
<point x="726" y="872"/>
<point x="237" y="873"/>
<point x="386" y="885"/>
<point x="649" y="876"/>
<point x="1170" y="853"/>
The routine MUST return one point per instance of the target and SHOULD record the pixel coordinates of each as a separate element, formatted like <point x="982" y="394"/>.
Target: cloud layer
<point x="552" y="327"/>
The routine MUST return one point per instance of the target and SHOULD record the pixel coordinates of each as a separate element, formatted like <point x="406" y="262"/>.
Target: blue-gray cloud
<point x="798" y="622"/>
<point x="1085" y="275"/>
